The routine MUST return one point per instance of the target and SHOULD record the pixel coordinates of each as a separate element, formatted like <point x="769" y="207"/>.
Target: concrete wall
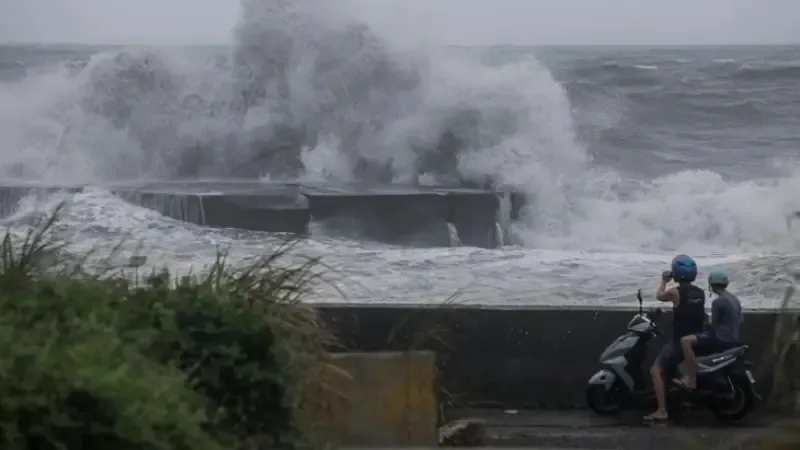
<point x="287" y="213"/>
<point x="511" y="357"/>
<point x="11" y="195"/>
<point x="415" y="219"/>
<point x="474" y="215"/>
<point x="380" y="399"/>
<point x="403" y="215"/>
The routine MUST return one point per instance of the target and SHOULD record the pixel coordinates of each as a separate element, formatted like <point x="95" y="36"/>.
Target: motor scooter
<point x="725" y="384"/>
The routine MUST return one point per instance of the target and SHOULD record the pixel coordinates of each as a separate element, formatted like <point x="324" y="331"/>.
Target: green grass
<point x="222" y="360"/>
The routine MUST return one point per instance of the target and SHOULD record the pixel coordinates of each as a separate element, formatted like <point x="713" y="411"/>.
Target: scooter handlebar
<point x="653" y="314"/>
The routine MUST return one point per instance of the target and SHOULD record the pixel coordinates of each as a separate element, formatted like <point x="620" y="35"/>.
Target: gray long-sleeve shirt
<point x="726" y="317"/>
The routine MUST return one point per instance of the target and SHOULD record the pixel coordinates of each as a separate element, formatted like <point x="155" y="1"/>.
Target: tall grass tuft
<point x="784" y="361"/>
<point x="781" y="366"/>
<point x="88" y="360"/>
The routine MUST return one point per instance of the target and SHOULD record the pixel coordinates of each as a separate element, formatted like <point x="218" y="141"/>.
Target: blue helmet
<point x="684" y="268"/>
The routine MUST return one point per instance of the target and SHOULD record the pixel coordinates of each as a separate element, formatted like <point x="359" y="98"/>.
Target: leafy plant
<point x="94" y="360"/>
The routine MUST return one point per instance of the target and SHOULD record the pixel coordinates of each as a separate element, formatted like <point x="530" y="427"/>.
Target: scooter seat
<point x="735" y="351"/>
<point x="709" y="362"/>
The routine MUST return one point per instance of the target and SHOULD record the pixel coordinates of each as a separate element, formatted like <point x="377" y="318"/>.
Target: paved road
<point x="583" y="430"/>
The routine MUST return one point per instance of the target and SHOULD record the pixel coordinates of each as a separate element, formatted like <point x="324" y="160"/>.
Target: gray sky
<point x="536" y="22"/>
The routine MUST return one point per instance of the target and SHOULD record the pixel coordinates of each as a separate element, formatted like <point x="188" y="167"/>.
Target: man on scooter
<point x="726" y="320"/>
<point x="688" y="318"/>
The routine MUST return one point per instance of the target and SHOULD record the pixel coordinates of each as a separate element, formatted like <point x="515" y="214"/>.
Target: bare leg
<point x="687" y="344"/>
<point x="656" y="372"/>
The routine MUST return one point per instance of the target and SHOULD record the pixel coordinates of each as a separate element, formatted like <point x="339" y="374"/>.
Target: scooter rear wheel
<point x="736" y="408"/>
<point x="605" y="402"/>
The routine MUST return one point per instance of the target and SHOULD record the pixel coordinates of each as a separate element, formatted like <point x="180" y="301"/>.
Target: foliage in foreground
<point x="781" y="368"/>
<point x="201" y="363"/>
<point x="783" y="359"/>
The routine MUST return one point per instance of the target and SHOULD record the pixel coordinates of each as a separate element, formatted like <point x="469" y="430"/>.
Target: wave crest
<point x="303" y="79"/>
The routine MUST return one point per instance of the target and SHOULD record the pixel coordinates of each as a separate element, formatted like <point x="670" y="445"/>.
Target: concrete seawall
<point x="509" y="357"/>
<point x="422" y="216"/>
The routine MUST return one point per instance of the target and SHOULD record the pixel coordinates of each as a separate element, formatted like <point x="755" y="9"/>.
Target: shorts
<point x="707" y="343"/>
<point x="670" y="356"/>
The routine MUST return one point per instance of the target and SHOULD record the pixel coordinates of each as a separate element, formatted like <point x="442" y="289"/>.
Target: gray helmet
<point x="718" y="277"/>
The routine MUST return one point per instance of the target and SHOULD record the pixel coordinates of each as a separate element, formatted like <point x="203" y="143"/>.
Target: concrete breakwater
<point x="423" y="216"/>
<point x="513" y="358"/>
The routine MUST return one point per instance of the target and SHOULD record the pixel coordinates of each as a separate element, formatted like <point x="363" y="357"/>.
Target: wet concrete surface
<point x="580" y="429"/>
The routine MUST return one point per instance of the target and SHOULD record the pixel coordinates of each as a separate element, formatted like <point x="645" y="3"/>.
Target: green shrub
<point x="243" y="341"/>
<point x="68" y="379"/>
<point x="100" y="362"/>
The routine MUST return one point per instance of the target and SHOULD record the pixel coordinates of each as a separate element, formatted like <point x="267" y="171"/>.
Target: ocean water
<point x="630" y="154"/>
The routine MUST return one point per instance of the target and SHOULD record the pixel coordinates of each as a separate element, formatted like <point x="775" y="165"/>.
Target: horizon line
<point x="153" y="44"/>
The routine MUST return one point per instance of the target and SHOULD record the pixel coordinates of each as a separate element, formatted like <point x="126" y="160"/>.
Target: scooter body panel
<point x="604" y="377"/>
<point x="623" y="358"/>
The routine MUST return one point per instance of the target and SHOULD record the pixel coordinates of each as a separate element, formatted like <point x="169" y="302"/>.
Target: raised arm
<point x="666" y="295"/>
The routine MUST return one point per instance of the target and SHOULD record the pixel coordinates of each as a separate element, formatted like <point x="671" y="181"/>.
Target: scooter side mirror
<point x="639" y="297"/>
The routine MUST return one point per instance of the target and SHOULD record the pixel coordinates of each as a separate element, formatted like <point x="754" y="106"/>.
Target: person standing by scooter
<point x="688" y="318"/>
<point x="726" y="320"/>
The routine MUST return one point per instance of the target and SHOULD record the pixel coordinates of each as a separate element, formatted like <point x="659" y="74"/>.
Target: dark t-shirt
<point x="689" y="315"/>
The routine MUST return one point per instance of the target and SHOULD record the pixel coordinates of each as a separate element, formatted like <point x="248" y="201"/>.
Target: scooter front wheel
<point x="606" y="402"/>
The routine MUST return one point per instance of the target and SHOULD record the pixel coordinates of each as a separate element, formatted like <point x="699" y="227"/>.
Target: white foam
<point x="584" y="225"/>
<point x="95" y="220"/>
<point x="691" y="211"/>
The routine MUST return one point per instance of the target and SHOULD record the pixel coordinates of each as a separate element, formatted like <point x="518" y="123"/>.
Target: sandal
<point x="682" y="385"/>
<point x="656" y="417"/>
